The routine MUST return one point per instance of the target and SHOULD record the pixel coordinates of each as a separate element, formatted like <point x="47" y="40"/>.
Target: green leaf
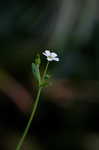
<point x="44" y="84"/>
<point x="38" y="60"/>
<point x="47" y="77"/>
<point x="36" y="73"/>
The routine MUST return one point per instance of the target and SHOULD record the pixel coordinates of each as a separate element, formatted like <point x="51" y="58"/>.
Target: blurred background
<point x="67" y="117"/>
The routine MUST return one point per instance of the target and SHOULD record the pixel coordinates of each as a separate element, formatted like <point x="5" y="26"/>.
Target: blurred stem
<point x="44" y="74"/>
<point x="33" y="112"/>
<point x="30" y="120"/>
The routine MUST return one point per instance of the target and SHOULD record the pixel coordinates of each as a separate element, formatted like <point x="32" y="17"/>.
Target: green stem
<point x="30" y="120"/>
<point x="45" y="71"/>
<point x="33" y="112"/>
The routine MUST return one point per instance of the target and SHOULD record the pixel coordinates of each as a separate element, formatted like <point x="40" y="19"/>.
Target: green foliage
<point x="38" y="60"/>
<point x="36" y="72"/>
<point x="47" y="77"/>
<point x="44" y="84"/>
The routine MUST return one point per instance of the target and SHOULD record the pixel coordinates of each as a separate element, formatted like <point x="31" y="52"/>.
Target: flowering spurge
<point x="51" y="56"/>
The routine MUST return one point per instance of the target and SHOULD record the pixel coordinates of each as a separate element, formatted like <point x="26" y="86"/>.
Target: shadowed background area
<point x="68" y="112"/>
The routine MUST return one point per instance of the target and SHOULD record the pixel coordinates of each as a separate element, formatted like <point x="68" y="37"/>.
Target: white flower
<point x="51" y="56"/>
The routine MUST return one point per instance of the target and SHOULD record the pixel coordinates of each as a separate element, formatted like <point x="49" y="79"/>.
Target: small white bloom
<point x="51" y="56"/>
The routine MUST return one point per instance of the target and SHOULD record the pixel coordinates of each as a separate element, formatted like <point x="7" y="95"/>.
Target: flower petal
<point x="44" y="53"/>
<point x="56" y="59"/>
<point x="48" y="53"/>
<point x="53" y="54"/>
<point x="49" y="59"/>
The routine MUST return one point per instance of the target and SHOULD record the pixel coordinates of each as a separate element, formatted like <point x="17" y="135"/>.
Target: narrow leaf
<point x="36" y="73"/>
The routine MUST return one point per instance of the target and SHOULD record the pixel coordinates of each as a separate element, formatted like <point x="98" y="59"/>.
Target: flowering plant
<point x="51" y="56"/>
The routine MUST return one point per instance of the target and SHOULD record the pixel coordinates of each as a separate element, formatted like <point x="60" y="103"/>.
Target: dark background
<point x="68" y="112"/>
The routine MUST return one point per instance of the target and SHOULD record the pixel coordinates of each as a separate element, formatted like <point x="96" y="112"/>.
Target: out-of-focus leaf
<point x="36" y="73"/>
<point x="47" y="77"/>
<point x="44" y="84"/>
<point x="38" y="60"/>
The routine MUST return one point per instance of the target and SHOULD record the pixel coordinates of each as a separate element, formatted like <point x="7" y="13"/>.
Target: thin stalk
<point x="32" y="114"/>
<point x="30" y="120"/>
<point x="45" y="71"/>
